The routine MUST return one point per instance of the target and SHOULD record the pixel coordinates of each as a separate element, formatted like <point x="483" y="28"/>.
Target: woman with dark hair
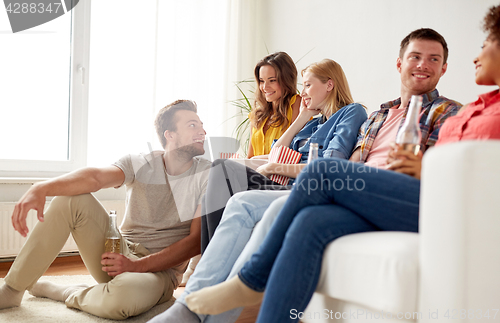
<point x="288" y="263"/>
<point x="276" y="104"/>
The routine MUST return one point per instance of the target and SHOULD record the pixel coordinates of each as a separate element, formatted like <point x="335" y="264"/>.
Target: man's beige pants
<point x="127" y="294"/>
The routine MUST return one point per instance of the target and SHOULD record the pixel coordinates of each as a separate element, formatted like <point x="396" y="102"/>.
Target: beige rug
<point x="44" y="310"/>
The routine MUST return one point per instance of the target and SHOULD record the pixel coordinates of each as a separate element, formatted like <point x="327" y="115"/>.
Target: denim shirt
<point x="336" y="136"/>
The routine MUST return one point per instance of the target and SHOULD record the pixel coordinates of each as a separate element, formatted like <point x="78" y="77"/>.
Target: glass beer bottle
<point x="313" y="152"/>
<point x="113" y="238"/>
<point x="409" y="135"/>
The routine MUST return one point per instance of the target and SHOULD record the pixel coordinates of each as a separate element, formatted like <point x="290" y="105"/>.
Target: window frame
<point x="78" y="109"/>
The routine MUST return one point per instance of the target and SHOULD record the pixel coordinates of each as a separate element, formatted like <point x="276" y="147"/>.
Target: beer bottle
<point x="113" y="238"/>
<point x="409" y="135"/>
<point x="313" y="152"/>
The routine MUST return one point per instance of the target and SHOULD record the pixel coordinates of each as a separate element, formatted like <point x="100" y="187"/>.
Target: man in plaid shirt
<point x="421" y="63"/>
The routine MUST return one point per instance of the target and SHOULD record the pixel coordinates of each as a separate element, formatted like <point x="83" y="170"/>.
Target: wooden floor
<point x="73" y="265"/>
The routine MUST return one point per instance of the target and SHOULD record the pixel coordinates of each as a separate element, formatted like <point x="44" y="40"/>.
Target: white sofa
<point x="449" y="271"/>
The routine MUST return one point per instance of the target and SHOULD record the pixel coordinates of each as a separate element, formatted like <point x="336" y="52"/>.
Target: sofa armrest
<point x="460" y="232"/>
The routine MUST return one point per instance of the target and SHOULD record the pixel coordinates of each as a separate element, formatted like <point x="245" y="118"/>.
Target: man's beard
<point x="187" y="152"/>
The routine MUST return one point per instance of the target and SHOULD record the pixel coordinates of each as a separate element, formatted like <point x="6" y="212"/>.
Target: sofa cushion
<point x="375" y="269"/>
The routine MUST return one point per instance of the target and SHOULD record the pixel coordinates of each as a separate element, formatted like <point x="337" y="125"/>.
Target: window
<point x="43" y="103"/>
<point x="126" y="63"/>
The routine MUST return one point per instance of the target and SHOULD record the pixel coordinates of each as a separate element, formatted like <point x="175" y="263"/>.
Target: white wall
<point x="364" y="36"/>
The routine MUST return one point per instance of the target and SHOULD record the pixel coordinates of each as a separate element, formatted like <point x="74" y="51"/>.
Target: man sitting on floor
<point x="160" y="231"/>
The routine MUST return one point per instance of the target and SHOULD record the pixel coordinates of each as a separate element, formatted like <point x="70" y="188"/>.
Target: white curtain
<point x="146" y="54"/>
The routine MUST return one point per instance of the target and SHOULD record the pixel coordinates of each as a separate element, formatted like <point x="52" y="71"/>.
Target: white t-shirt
<point x="157" y="214"/>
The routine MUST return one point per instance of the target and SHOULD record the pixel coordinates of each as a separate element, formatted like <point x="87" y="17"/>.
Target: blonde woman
<point x="327" y="98"/>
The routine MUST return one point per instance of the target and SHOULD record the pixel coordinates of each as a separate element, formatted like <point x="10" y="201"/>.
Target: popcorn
<point x="283" y="155"/>
<point x="229" y="155"/>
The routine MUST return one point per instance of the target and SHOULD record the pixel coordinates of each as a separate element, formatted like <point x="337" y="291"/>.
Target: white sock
<point x="9" y="297"/>
<point x="177" y="313"/>
<point x="54" y="291"/>
<point x="223" y="297"/>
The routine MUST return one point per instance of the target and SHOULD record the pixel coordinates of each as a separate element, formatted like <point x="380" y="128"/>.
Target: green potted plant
<point x="244" y="106"/>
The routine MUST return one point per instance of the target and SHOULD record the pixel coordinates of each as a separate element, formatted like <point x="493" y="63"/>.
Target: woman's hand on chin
<point x="307" y="112"/>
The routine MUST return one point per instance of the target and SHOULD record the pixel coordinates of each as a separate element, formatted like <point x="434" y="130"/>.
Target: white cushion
<point x="459" y="225"/>
<point x="375" y="269"/>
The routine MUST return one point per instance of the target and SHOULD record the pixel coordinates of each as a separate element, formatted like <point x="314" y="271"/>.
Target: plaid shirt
<point x="435" y="110"/>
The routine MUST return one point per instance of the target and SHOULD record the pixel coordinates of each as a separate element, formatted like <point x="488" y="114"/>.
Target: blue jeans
<point x="234" y="241"/>
<point x="331" y="198"/>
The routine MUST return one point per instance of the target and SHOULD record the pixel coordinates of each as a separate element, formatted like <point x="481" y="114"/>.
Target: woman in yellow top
<point x="276" y="103"/>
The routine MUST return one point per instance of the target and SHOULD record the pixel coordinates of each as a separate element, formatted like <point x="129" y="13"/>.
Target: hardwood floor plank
<point x="71" y="265"/>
